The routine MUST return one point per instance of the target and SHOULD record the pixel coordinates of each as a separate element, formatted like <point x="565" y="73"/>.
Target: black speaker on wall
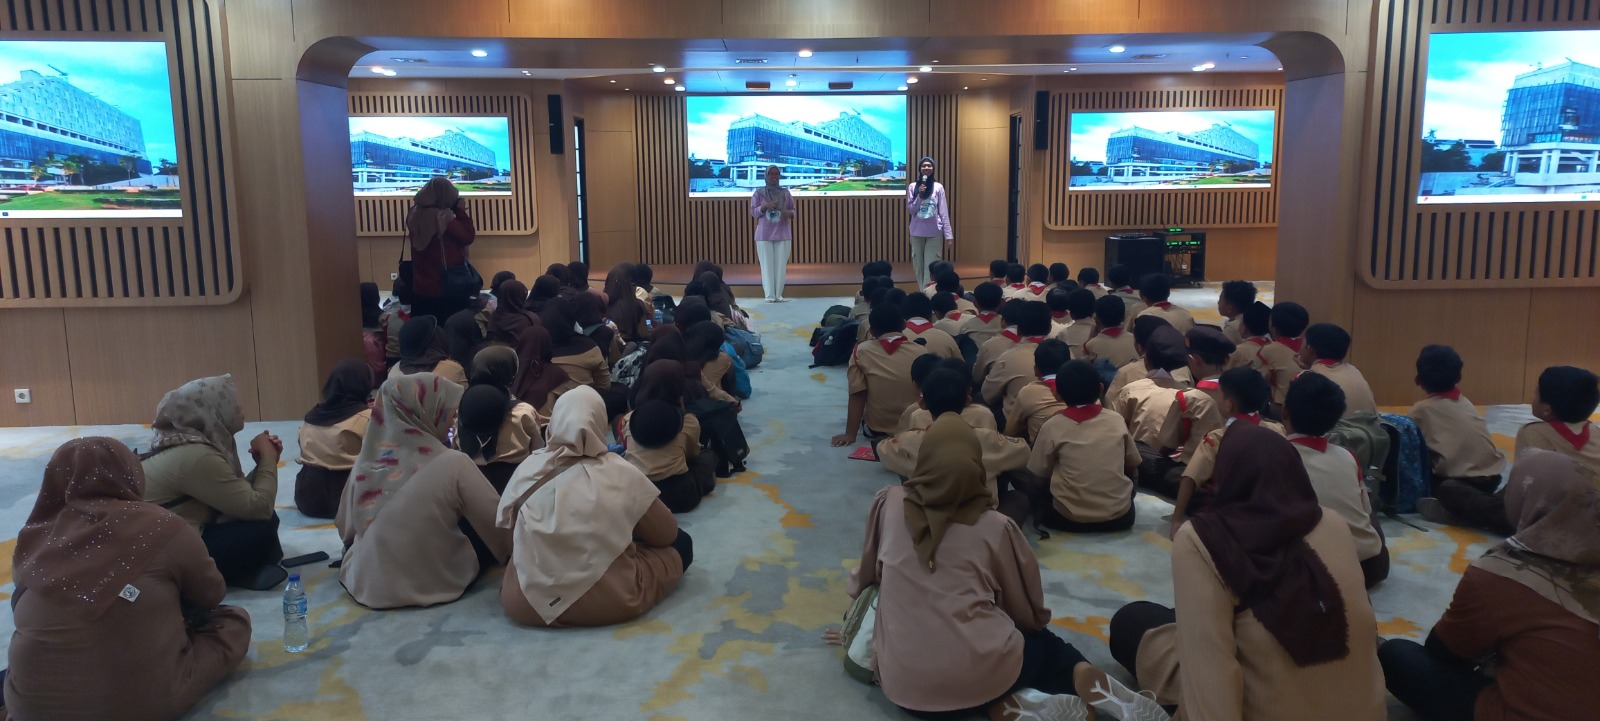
<point x="558" y="135"/>
<point x="1041" y="120"/>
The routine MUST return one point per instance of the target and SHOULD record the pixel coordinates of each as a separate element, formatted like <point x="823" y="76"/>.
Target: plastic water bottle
<point x="295" y="634"/>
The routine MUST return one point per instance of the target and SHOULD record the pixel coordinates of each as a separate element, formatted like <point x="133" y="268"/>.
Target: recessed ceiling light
<point x="1208" y="66"/>
<point x="658" y="69"/>
<point x="925" y="69"/>
<point x="984" y="79"/>
<point x="1117" y="49"/>
<point x="804" y="53"/>
<point x="613" y="82"/>
<point x="1072" y="70"/>
<point x="679" y="88"/>
<point x="669" y="81"/>
<point x="1244" y="57"/>
<point x="790" y="83"/>
<point x="902" y="88"/>
<point x="530" y="72"/>
<point x="935" y="61"/>
<point x="480" y="53"/>
<point x="911" y="80"/>
<point x="378" y="70"/>
<point x="628" y="89"/>
<point x="389" y="73"/>
<point x="965" y="88"/>
<point x="1199" y="68"/>
<point x="1280" y="68"/>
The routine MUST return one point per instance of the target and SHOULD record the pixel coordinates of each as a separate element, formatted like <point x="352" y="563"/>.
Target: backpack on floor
<point x="835" y="315"/>
<point x="834" y="346"/>
<point x="628" y="368"/>
<point x="856" y="636"/>
<point x="720" y="431"/>
<point x="1364" y="436"/>
<point x="746" y="346"/>
<point x="1407" y="476"/>
<point x="969" y="349"/>
<point x="737" y="380"/>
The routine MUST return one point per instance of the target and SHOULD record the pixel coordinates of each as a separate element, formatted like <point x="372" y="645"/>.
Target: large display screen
<point x="1172" y="149"/>
<point x="86" y="131"/>
<point x="1511" y="117"/>
<point x="398" y="155"/>
<point x="821" y="144"/>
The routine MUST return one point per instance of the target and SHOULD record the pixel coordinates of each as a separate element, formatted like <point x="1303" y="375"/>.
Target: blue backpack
<point x="739" y="377"/>
<point x="746" y="346"/>
<point x="1411" y="477"/>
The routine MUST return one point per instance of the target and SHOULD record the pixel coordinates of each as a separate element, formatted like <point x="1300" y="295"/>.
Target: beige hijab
<point x="947" y="487"/>
<point x="1554" y="500"/>
<point x="204" y="411"/>
<point x="407" y="430"/>
<point x="431" y="212"/>
<point x="569" y="529"/>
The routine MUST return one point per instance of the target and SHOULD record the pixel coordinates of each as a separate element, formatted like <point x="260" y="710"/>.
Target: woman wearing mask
<point x="772" y="206"/>
<point x="439" y="230"/>
<point x="931" y="230"/>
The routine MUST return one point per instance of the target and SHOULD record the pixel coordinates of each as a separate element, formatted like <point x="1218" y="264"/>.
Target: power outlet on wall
<point x="22" y="395"/>
<point x="394" y="276"/>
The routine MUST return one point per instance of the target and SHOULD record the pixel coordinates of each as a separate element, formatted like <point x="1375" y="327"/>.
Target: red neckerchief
<point x="1079" y="414"/>
<point x="1125" y="290"/>
<point x="931" y="285"/>
<point x="1319" y="444"/>
<point x="1162" y="304"/>
<point x="1032" y="339"/>
<point x="1112" y="332"/>
<point x="1209" y="384"/>
<point x="1578" y="440"/>
<point x="1012" y="334"/>
<point x="1454" y="394"/>
<point x="1018" y="286"/>
<point x="953" y="315"/>
<point x="1258" y="340"/>
<point x="986" y="315"/>
<point x="998" y="281"/>
<point x="918" y="325"/>
<point x="892" y="343"/>
<point x="1253" y="419"/>
<point x="1327" y="363"/>
<point x="1049" y="381"/>
<point x="1292" y="343"/>
<point x="1058" y="314"/>
<point x="1036" y="287"/>
<point x="1101" y="286"/>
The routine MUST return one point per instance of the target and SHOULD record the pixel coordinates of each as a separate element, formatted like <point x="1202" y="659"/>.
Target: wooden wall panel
<point x="193" y="260"/>
<point x="1065" y="209"/>
<point x="1407" y="246"/>
<point x="674" y="229"/>
<point x="34" y="356"/>
<point x="492" y="215"/>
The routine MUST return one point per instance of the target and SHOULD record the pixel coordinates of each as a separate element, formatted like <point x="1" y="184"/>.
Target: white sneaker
<point x="781" y="299"/>
<point x="772" y="300"/>
<point x="1028" y="704"/>
<point x="1116" y="700"/>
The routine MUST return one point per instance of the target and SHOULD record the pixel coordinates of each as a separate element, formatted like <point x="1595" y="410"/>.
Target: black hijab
<point x="545" y="289"/>
<point x="500" y="277"/>
<point x="483" y="410"/>
<point x="371" y="310"/>
<point x="564" y="337"/>
<point x="422" y="345"/>
<point x="463" y="337"/>
<point x="344" y="394"/>
<point x="511" y="316"/>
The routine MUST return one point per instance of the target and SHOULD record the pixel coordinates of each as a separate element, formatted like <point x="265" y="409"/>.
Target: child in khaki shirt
<point x="1038" y="283"/>
<point x="1145" y="403"/>
<point x="1236" y="296"/>
<point x="1255" y="325"/>
<point x="1083" y="460"/>
<point x="1016" y="281"/>
<point x="985" y="322"/>
<point x="1197" y="411"/>
<point x="916" y="415"/>
<point x="917" y="309"/>
<point x="1314" y="405"/>
<point x="880" y="377"/>
<point x="1080" y="307"/>
<point x="1280" y="359"/>
<point x="1466" y="465"/>
<point x="1323" y="353"/>
<point x="1089" y="279"/>
<point x="1154" y="291"/>
<point x="1568" y="396"/>
<point x="944" y="392"/>
<point x="1060" y="313"/>
<point x="1109" y="343"/>
<point x="1121" y="278"/>
<point x="1133" y="370"/>
<point x="1014" y="368"/>
<point x="991" y="350"/>
<point x="1244" y="395"/>
<point x="1037" y="402"/>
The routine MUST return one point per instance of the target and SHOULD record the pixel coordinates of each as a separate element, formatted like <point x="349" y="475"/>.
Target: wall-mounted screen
<point x="1172" y="149"/>
<point x="398" y="155"/>
<point x="1511" y="117"/>
<point x="822" y="144"/>
<point x="86" y="131"/>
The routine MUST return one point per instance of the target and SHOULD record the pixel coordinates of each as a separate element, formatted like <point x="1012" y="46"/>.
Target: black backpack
<point x="834" y="345"/>
<point x="720" y="431"/>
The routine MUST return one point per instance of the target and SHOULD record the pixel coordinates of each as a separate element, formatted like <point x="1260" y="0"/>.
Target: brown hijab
<point x="91" y="533"/>
<point x="1554" y="500"/>
<point x="431" y="212"/>
<point x="422" y="345"/>
<point x="511" y="315"/>
<point x="946" y="487"/>
<point x="717" y="295"/>
<point x="344" y="394"/>
<point x="1255" y="532"/>
<point x="536" y="375"/>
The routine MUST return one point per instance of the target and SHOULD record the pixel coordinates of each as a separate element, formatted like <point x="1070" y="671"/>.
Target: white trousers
<point x="774" y="257"/>
<point x="925" y="250"/>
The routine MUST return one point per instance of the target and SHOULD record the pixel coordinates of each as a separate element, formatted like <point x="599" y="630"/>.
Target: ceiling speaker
<point x="841" y="86"/>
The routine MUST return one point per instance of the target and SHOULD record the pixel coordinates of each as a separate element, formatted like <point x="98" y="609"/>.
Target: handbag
<point x="457" y="281"/>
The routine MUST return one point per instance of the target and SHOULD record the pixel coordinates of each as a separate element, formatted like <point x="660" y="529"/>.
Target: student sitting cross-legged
<point x="917" y="415"/>
<point x="1013" y="368"/>
<point x="1466" y="464"/>
<point x="880" y="377"/>
<point x="1006" y="339"/>
<point x="1279" y="360"/>
<point x="1324" y="354"/>
<point x="1197" y="411"/>
<point x="1111" y="343"/>
<point x="984" y="322"/>
<point x="1016" y="281"/>
<point x="1145" y="403"/>
<point x="1244" y="395"/>
<point x="1089" y="279"/>
<point x="663" y="438"/>
<point x="1038" y="283"/>
<point x="1084" y="460"/>
<point x="918" y="310"/>
<point x="1568" y="396"/>
<point x="1155" y="291"/>
<point x="1255" y="324"/>
<point x="1139" y="329"/>
<point x="330" y="438"/>
<point x="948" y="316"/>
<point x="1235" y="297"/>
<point x="1121" y="279"/>
<point x="1036" y="403"/>
<point x="1080" y="325"/>
<point x="1314" y="405"/>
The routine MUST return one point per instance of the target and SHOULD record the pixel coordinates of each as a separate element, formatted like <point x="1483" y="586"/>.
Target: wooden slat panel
<point x="82" y="262"/>
<point x="1504" y="245"/>
<point x="499" y="215"/>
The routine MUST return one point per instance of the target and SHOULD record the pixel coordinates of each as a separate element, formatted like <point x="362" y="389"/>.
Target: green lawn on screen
<point x="862" y="184"/>
<point x="1224" y="180"/>
<point x="85" y="201"/>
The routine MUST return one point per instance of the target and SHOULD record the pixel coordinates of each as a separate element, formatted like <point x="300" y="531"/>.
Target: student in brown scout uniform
<point x="1315" y="404"/>
<point x="1016" y="281"/>
<point x="1256" y="326"/>
<point x="889" y="295"/>
<point x="1080" y="306"/>
<point x="1197" y="411"/>
<point x="1466" y="464"/>
<point x="1280" y="359"/>
<point x="1109" y="342"/>
<point x="948" y="283"/>
<point x="1084" y="459"/>
<point x="1038" y="283"/>
<point x="1038" y="402"/>
<point x="496" y="431"/>
<point x="949" y="316"/>
<point x="920" y="330"/>
<point x="1245" y="395"/>
<point x="1008" y="338"/>
<point x="1568" y="396"/>
<point x="936" y="270"/>
<point x="331" y="437"/>
<point x="1060" y="315"/>
<point x="1236" y="296"/>
<point x="880" y="377"/>
<point x="916" y="415"/>
<point x="1323" y="353"/>
<point x="1144" y="403"/>
<point x="997" y="272"/>
<point x="1121" y="279"/>
<point x="1140" y="328"/>
<point x="985" y="322"/>
<point x="1155" y="291"/>
<point x="1014" y="368"/>
<point x="1089" y="279"/>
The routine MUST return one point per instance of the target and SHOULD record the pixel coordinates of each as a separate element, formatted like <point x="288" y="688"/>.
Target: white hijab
<point x="568" y="531"/>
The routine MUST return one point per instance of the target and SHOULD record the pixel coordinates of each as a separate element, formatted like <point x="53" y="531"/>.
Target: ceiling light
<point x="378" y="70"/>
<point x="628" y="89"/>
<point x="679" y="88"/>
<point x="480" y="53"/>
<point x="984" y="79"/>
<point x="965" y="88"/>
<point x="1117" y="49"/>
<point x="613" y="82"/>
<point x="902" y="88"/>
<point x="669" y="81"/>
<point x="925" y="69"/>
<point x="1199" y="68"/>
<point x="1280" y="68"/>
<point x="530" y="72"/>
<point x="804" y="53"/>
<point x="935" y="61"/>
<point x="790" y="83"/>
<point x="1244" y="57"/>
<point x="389" y="73"/>
<point x="911" y="80"/>
<point x="1208" y="66"/>
<point x="658" y="69"/>
<point x="1072" y="70"/>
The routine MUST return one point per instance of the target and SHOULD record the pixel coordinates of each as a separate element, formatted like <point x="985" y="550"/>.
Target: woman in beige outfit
<point x="117" y="605"/>
<point x="417" y="518"/>
<point x="594" y="545"/>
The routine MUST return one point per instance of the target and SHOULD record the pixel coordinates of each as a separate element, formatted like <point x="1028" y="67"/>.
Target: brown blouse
<point x="644" y="574"/>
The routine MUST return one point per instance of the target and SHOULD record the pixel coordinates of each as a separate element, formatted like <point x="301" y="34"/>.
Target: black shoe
<point x="265" y="578"/>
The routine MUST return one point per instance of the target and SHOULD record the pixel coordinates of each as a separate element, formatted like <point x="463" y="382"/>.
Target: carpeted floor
<point x="739" y="639"/>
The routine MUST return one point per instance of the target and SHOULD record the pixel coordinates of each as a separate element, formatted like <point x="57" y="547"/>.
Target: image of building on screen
<point x="392" y="163"/>
<point x="854" y="144"/>
<point x="1172" y="149"/>
<point x="846" y="146"/>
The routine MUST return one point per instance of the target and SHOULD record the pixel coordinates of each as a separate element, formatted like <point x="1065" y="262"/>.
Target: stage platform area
<point x="805" y="280"/>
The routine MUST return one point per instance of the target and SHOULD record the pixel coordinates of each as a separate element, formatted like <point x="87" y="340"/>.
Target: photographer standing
<point x="439" y="230"/>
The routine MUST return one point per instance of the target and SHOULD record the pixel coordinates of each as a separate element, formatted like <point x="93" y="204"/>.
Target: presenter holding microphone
<point x="930" y="221"/>
<point x="772" y="206"/>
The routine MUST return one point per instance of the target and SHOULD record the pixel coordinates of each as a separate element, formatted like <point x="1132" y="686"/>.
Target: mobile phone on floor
<point x="303" y="560"/>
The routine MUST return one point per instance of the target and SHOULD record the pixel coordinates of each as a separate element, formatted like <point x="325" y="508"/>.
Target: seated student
<point x="1568" y="396"/>
<point x="593" y="544"/>
<point x="997" y="272"/>
<point x="630" y="315"/>
<point x="880" y="377"/>
<point x="918" y="309"/>
<point x="589" y="312"/>
<point x="1038" y="282"/>
<point x="580" y="356"/>
<point x="992" y="349"/>
<point x="1121" y="278"/>
<point x="644" y="287"/>
<point x="1272" y="621"/>
<point x="393" y="319"/>
<point x="873" y="269"/>
<point x="1197" y="411"/>
<point x="1084" y="460"/>
<point x="916" y="415"/>
<point x="422" y="346"/>
<point x="560" y="272"/>
<point x="1037" y="402"/>
<point x="417" y="518"/>
<point x="193" y="470"/>
<point x="463" y="338"/>
<point x="1466" y="464"/>
<point x="330" y="438"/>
<point x="513" y="314"/>
<point x="1145" y="402"/>
<point x="985" y="322"/>
<point x="936" y="269"/>
<point x="1016" y="280"/>
<point x="1155" y="291"/>
<point x="1060" y="316"/>
<point x="961" y="625"/>
<point x="942" y="393"/>
<point x="546" y="289"/>
<point x="869" y="286"/>
<point x="703" y="344"/>
<point x="1315" y="404"/>
<point x="1013" y="368"/>
<point x="1080" y="326"/>
<point x="883" y="296"/>
<point x="1244" y="394"/>
<point x="496" y="431"/>
<point x="1236" y="296"/>
<point x="1521" y="609"/>
<point x="372" y="340"/>
<point x="1140" y="328"/>
<point x="1279" y="360"/>
<point x="691" y="310"/>
<point x="663" y="438"/>
<point x="1060" y="274"/>
<point x="81" y="649"/>
<point x="1323" y="353"/>
<point x="528" y="374"/>
<point x="579" y="280"/>
<point x="948" y="316"/>
<point x="1255" y="324"/>
<point x="948" y="283"/>
<point x="1089" y="279"/>
<point x="1109" y="343"/>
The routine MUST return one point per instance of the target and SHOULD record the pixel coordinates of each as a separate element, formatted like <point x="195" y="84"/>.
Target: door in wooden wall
<point x="581" y="162"/>
<point x="1014" y="188"/>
